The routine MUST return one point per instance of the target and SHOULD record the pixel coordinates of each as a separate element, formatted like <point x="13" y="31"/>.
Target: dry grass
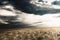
<point x="30" y="34"/>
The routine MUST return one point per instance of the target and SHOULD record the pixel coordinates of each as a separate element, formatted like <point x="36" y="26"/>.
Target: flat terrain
<point x="30" y="34"/>
<point x="32" y="29"/>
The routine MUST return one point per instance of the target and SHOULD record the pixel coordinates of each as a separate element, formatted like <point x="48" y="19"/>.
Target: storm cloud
<point x="30" y="13"/>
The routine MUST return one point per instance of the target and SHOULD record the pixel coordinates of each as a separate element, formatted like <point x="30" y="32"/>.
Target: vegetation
<point x="30" y="34"/>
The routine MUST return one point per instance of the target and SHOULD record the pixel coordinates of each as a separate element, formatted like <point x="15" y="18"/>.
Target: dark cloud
<point x="27" y="17"/>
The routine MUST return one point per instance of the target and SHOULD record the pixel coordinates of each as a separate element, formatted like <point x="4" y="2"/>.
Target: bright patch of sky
<point x="46" y="20"/>
<point x="6" y="13"/>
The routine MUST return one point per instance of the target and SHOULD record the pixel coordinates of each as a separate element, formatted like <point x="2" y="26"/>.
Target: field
<point x="30" y="34"/>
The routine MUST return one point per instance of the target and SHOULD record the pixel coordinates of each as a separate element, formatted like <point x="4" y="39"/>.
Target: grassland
<point x="30" y="34"/>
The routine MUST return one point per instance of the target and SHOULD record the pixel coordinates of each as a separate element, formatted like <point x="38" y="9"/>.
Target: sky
<point x="47" y="19"/>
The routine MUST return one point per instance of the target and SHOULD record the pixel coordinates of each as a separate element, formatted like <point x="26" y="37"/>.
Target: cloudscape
<point x="35" y="13"/>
